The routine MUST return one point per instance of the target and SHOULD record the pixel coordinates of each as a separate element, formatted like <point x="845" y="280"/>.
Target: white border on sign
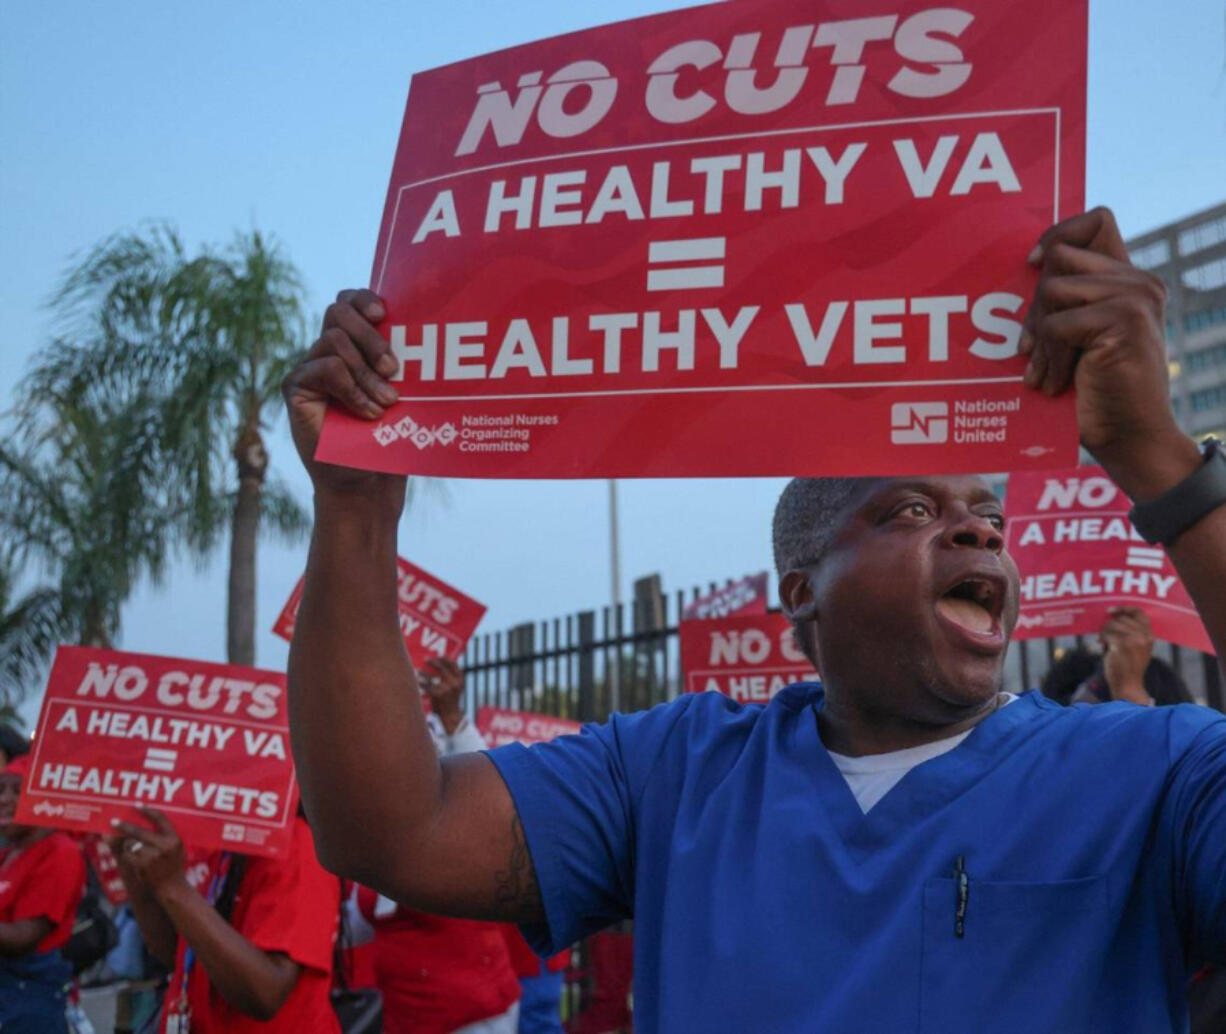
<point x="1088" y="601"/>
<point x="100" y="802"/>
<point x="825" y="386"/>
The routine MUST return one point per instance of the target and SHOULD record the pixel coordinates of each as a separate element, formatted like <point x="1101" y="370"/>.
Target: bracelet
<point x="1161" y="521"/>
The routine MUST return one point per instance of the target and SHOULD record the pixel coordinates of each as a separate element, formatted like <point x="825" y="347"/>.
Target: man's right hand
<point x="348" y="366"/>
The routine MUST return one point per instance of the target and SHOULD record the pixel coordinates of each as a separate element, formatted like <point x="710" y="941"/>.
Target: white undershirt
<point x="871" y="776"/>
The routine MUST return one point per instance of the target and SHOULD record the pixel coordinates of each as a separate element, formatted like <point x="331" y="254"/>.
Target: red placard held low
<point x="500" y="726"/>
<point x="1078" y="555"/>
<point x="748" y="658"/>
<point x="106" y="868"/>
<point x="745" y="596"/>
<point x="208" y="744"/>
<point x="436" y="619"/>
<point x="659" y="247"/>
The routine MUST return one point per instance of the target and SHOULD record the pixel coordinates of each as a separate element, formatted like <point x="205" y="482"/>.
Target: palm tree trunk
<point x="252" y="461"/>
<point x="94" y="629"/>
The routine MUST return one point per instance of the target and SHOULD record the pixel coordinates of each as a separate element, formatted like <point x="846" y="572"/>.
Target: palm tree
<point x="30" y="626"/>
<point x="207" y="339"/>
<point x="84" y="502"/>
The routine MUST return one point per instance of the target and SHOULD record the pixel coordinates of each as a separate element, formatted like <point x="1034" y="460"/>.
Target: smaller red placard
<point x="106" y="868"/>
<point x="499" y="726"/>
<point x="1079" y="555"/>
<point x="745" y="596"/>
<point x="207" y="744"/>
<point x="748" y="658"/>
<point x="436" y="619"/>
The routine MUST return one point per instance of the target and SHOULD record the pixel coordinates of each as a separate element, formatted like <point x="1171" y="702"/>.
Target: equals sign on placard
<point x="161" y="760"/>
<point x="1143" y="556"/>
<point x="687" y="263"/>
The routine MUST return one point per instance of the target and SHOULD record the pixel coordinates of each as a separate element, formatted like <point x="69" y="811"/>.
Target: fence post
<point x="587" y="665"/>
<point x="520" y="642"/>
<point x="1213" y="682"/>
<point x="648" y="624"/>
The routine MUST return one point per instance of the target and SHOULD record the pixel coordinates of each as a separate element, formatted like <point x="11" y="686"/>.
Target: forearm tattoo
<point x="517" y="895"/>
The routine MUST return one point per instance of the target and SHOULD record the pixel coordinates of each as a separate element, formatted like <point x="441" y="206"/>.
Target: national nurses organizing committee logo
<point x="919" y="423"/>
<point x="420" y="435"/>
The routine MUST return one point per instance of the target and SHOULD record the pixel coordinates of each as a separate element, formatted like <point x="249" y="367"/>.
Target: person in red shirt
<point x="250" y="939"/>
<point x="437" y="975"/>
<point x="42" y="880"/>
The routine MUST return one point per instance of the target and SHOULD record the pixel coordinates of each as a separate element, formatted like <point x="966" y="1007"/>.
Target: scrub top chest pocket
<point x="987" y="946"/>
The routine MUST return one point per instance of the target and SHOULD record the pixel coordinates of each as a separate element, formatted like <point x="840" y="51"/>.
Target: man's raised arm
<point x="441" y="836"/>
<point x="1097" y="321"/>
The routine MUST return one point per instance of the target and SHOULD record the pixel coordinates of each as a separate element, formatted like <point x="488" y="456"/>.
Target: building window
<point x="1204" y="319"/>
<point x="1205" y="277"/>
<point x="1202" y="235"/>
<point x="1156" y="253"/>
<point x="1205" y="359"/>
<point x="1209" y="398"/>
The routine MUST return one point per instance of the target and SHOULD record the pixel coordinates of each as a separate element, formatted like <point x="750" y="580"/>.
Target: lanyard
<point x="180" y="1020"/>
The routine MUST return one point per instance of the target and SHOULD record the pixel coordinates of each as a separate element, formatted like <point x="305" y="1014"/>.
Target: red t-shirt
<point x="437" y="975"/>
<point x="524" y="960"/>
<point x="45" y="879"/>
<point x="285" y="905"/>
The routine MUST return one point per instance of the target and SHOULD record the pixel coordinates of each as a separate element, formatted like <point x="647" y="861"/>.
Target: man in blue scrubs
<point x="887" y="852"/>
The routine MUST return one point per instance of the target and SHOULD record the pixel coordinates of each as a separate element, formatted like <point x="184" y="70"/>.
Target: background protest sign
<point x="748" y="658"/>
<point x="655" y="248"/>
<point x="106" y="869"/>
<point x="1078" y="555"/>
<point x="436" y="619"/>
<point x="745" y="596"/>
<point x="499" y="726"/>
<point x="208" y="744"/>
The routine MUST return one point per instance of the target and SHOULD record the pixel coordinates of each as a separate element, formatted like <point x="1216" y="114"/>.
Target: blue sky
<point x="229" y="115"/>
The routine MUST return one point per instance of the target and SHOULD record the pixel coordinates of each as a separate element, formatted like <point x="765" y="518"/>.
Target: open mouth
<point x="974" y="604"/>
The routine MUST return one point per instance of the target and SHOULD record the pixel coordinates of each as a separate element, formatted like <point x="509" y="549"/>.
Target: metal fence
<point x="627" y="657"/>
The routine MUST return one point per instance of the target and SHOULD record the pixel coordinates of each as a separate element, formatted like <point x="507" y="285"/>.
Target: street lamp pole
<point x="615" y="574"/>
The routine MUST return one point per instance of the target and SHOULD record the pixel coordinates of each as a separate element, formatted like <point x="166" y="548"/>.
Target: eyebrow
<point x="981" y="494"/>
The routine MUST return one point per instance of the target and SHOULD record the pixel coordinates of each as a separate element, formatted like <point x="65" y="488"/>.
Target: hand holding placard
<point x="149" y="860"/>
<point x="347" y="365"/>
<point x="1097" y="321"/>
<point x="1128" y="644"/>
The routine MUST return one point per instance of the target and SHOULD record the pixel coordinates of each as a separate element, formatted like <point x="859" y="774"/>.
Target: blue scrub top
<point x="764" y="900"/>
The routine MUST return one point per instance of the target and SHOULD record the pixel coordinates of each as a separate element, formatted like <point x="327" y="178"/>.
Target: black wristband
<point x="1163" y="520"/>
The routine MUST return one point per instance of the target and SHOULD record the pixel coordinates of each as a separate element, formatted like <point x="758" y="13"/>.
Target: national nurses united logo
<point x="420" y="435"/>
<point x="919" y="423"/>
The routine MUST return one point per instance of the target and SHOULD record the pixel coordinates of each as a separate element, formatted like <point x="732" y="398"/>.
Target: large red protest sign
<point x="744" y="596"/>
<point x="1078" y="555"/>
<point x="500" y="726"/>
<point x="661" y="247"/>
<point x="208" y="744"/>
<point x="748" y="658"/>
<point x="436" y="619"/>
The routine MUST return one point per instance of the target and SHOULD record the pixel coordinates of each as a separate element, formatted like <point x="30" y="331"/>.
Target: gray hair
<point x="806" y="518"/>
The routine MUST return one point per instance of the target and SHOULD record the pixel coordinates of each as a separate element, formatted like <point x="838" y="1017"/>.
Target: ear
<point x="796" y="596"/>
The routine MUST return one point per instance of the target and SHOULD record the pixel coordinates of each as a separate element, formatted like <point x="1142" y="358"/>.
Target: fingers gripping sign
<point x="442" y="680"/>
<point x="1128" y="644"/>
<point x="1096" y="322"/>
<point x="347" y="366"/>
<point x="149" y="857"/>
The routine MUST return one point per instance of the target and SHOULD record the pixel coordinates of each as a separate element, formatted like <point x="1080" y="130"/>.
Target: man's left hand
<point x="1098" y="322"/>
